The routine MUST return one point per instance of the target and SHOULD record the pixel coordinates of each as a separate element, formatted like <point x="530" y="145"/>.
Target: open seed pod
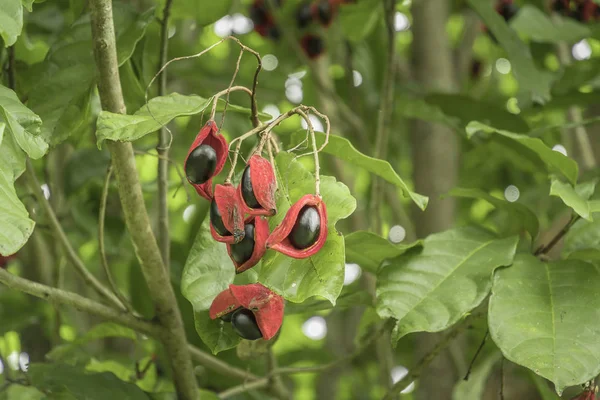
<point x="248" y="305"/>
<point x="257" y="188"/>
<point x="247" y="253"/>
<point x="206" y="158"/>
<point x="303" y="231"/>
<point x="226" y="215"/>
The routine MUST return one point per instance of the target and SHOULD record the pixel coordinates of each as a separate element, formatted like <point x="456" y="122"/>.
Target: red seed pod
<point x="587" y="394"/>
<point x="303" y="231"/>
<point x="312" y="45"/>
<point x="266" y="306"/>
<point x="250" y="250"/>
<point x="256" y="191"/>
<point x="323" y="11"/>
<point x="206" y="158"/>
<point x="226" y="212"/>
<point x="5" y="259"/>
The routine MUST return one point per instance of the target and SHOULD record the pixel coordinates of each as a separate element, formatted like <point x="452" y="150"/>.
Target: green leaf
<point x="473" y="389"/>
<point x="343" y="149"/>
<point x="541" y="384"/>
<point x="543" y="316"/>
<point x="553" y="161"/>
<point x="19" y="392"/>
<point x="323" y="273"/>
<point x="345" y="300"/>
<point x="519" y="212"/>
<point x="100" y="331"/>
<point x="218" y="335"/>
<point x="208" y="269"/>
<point x="62" y="378"/>
<point x="210" y="11"/>
<point x="535" y="24"/>
<point x="163" y="109"/>
<point x="11" y="21"/>
<point x="467" y="109"/>
<point x="368" y="249"/>
<point x="583" y="240"/>
<point x="359" y="19"/>
<point x="532" y="81"/>
<point x="570" y="197"/>
<point x="431" y="290"/>
<point x="127" y="374"/>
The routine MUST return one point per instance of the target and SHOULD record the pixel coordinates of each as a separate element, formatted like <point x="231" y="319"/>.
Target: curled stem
<point x="223" y="92"/>
<point x="101" y="245"/>
<point x="311" y="132"/>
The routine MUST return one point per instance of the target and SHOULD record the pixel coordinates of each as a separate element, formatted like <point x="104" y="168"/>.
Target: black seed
<point x="306" y="230"/>
<point x="273" y="32"/>
<point x="258" y="13"/>
<point x="227" y="317"/>
<point x="244" y="324"/>
<point x="247" y="191"/>
<point x="242" y="251"/>
<point x="508" y="11"/>
<point x="313" y="45"/>
<point x="216" y="220"/>
<point x="201" y="164"/>
<point x="303" y="15"/>
<point x="325" y="12"/>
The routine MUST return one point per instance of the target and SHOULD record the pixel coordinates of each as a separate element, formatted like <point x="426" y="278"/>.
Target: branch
<point x="134" y="209"/>
<point x="60" y="234"/>
<point x="81" y="303"/>
<point x="164" y="239"/>
<point x="416" y="371"/>
<point x="545" y="249"/>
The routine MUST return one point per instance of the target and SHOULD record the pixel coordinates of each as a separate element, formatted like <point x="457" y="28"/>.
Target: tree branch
<point x="134" y="209"/>
<point x="164" y="239"/>
<point x="70" y="252"/>
<point x="59" y="296"/>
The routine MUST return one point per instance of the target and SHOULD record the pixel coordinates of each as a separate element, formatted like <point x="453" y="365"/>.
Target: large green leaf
<point x="216" y="334"/>
<point x="19" y="392"/>
<point x="350" y="298"/>
<point x="163" y="109"/>
<point x="553" y="161"/>
<point x="570" y="197"/>
<point x="532" y="81"/>
<point x="342" y="148"/>
<point x="11" y="21"/>
<point x="543" y="316"/>
<point x="535" y="24"/>
<point x="67" y="79"/>
<point x="359" y="19"/>
<point x="518" y="212"/>
<point x="583" y="240"/>
<point x="474" y="387"/>
<point x="431" y="290"/>
<point x="323" y="273"/>
<point x="368" y="249"/>
<point x="63" y="378"/>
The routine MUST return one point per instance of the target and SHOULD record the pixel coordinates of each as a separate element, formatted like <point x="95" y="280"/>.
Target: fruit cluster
<point x="238" y="218"/>
<point x="581" y="10"/>
<point x="507" y="10"/>
<point x="319" y="12"/>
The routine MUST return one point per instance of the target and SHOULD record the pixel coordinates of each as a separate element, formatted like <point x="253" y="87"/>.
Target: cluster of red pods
<point x="581" y="10"/>
<point x="239" y="218"/>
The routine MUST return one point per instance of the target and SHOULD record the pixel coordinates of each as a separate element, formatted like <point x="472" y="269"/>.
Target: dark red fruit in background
<point x="211" y="139"/>
<point x="259" y="14"/>
<point x="323" y="11"/>
<point x="257" y="188"/>
<point x="476" y="67"/>
<point x="507" y="8"/>
<point x="267" y="306"/>
<point x="312" y="45"/>
<point x="304" y="15"/>
<point x="293" y="233"/>
<point x="230" y="212"/>
<point x="586" y="11"/>
<point x="5" y="259"/>
<point x="562" y="6"/>
<point x="247" y="253"/>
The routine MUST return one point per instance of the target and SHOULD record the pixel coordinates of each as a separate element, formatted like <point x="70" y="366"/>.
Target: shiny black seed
<point x="306" y="230"/>
<point x="242" y="251"/>
<point x="244" y="324"/>
<point x="303" y="15"/>
<point x="201" y="164"/>
<point x="247" y="191"/>
<point x="216" y="220"/>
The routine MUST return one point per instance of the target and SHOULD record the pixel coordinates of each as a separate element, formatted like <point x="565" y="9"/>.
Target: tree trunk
<point x="435" y="158"/>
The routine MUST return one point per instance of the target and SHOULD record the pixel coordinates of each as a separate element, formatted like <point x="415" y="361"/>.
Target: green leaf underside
<point x="151" y="117"/>
<point x="474" y="387"/>
<point x="532" y="81"/>
<point x="570" y="197"/>
<point x="431" y="290"/>
<point x="537" y="25"/>
<point x="344" y="150"/>
<point x="554" y="161"/>
<point x="517" y="211"/>
<point x="71" y="380"/>
<point x="323" y="273"/>
<point x="583" y="240"/>
<point x="543" y="316"/>
<point x="369" y="250"/>
<point x="11" y="21"/>
<point x="359" y="19"/>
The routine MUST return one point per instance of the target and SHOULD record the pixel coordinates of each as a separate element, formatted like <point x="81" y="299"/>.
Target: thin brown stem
<point x="60" y="234"/>
<point x="468" y="374"/>
<point x="545" y="249"/>
<point x="217" y="96"/>
<point x="101" y="245"/>
<point x="164" y="142"/>
<point x="11" y="70"/>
